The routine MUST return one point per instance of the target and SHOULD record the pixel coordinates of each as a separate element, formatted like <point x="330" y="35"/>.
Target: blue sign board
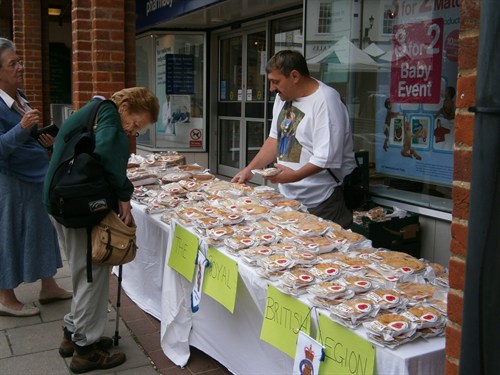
<point x="179" y="77"/>
<point x="151" y="12"/>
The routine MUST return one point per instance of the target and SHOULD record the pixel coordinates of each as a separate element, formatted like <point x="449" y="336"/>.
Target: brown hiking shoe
<point x="67" y="347"/>
<point x="94" y="359"/>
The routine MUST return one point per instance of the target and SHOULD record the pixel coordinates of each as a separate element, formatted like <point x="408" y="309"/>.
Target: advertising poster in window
<point x="179" y="88"/>
<point x="417" y="131"/>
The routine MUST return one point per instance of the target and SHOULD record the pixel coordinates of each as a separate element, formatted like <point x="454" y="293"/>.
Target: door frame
<point x="213" y="89"/>
<point x="243" y="32"/>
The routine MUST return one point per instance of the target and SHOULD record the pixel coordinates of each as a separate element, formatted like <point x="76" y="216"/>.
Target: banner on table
<point x="345" y="351"/>
<point x="221" y="278"/>
<point x="183" y="252"/>
<point x="284" y="316"/>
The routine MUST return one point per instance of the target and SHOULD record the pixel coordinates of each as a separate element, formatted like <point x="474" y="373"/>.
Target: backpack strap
<point x="89" y="126"/>
<point x="90" y="119"/>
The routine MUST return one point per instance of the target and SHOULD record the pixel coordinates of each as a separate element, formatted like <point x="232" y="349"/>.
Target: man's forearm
<point x="265" y="156"/>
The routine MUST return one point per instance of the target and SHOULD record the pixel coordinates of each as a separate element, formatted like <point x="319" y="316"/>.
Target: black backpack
<point x="79" y="193"/>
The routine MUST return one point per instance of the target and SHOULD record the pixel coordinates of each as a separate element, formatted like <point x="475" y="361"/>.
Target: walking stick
<point x="117" y="337"/>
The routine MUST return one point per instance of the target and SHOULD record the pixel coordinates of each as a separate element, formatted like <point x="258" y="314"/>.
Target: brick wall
<point x="130" y="66"/>
<point x="103" y="34"/>
<point x="464" y="128"/>
<point x="98" y="30"/>
<point x="27" y="35"/>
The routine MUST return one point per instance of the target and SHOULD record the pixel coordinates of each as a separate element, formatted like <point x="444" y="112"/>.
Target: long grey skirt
<point x="28" y="242"/>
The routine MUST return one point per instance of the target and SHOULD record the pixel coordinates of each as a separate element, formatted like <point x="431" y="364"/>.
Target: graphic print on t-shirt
<point x="289" y="148"/>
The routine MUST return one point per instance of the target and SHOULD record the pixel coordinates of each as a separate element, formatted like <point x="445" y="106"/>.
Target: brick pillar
<point x="44" y="32"/>
<point x="464" y="129"/>
<point x="27" y="35"/>
<point x="98" y="32"/>
<point x="108" y="46"/>
<point x="103" y="49"/>
<point x="130" y="60"/>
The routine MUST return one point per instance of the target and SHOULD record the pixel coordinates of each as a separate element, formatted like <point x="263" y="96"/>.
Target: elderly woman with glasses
<point x="29" y="249"/>
<point x="129" y="111"/>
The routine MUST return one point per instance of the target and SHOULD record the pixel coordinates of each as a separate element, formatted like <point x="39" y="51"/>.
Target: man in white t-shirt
<point x="310" y="133"/>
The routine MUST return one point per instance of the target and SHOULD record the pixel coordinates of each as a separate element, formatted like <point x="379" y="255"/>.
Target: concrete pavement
<point x="29" y="346"/>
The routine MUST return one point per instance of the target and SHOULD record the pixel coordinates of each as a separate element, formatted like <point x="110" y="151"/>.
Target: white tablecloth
<point x="232" y="339"/>
<point x="142" y="279"/>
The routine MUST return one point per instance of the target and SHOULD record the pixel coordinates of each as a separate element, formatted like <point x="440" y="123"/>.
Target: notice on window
<point x="180" y="88"/>
<point x="179" y="74"/>
<point x="415" y="116"/>
<point x="416" y="70"/>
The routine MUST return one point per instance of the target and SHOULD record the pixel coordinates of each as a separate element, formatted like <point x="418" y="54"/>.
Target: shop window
<point x="325" y="18"/>
<point x="173" y="66"/>
<point x="286" y="33"/>
<point x="388" y="15"/>
<point x="395" y="65"/>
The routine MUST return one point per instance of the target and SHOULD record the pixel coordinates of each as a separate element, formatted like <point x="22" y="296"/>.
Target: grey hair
<point x="5" y="45"/>
<point x="287" y="60"/>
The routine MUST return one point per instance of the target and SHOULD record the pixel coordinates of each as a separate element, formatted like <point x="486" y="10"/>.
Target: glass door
<point x="241" y="98"/>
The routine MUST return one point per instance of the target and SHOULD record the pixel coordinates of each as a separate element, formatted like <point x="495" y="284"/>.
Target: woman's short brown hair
<point x="139" y="99"/>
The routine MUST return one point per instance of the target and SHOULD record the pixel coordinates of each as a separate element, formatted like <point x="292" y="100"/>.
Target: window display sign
<point x="176" y="110"/>
<point x="179" y="74"/>
<point x="415" y="125"/>
<point x="416" y="69"/>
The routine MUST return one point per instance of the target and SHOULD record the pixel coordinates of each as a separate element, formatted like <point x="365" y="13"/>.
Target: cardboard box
<point x="395" y="234"/>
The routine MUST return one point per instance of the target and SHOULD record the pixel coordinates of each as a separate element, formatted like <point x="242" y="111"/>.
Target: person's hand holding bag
<point x="125" y="212"/>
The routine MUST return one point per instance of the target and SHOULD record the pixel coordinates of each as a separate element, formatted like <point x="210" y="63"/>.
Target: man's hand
<point x="286" y="175"/>
<point x="242" y="176"/>
<point x="290" y="175"/>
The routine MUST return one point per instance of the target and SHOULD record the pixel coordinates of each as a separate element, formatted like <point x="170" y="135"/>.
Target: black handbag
<point x="355" y="190"/>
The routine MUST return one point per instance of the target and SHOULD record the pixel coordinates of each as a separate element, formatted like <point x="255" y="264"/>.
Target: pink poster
<point x="417" y="60"/>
